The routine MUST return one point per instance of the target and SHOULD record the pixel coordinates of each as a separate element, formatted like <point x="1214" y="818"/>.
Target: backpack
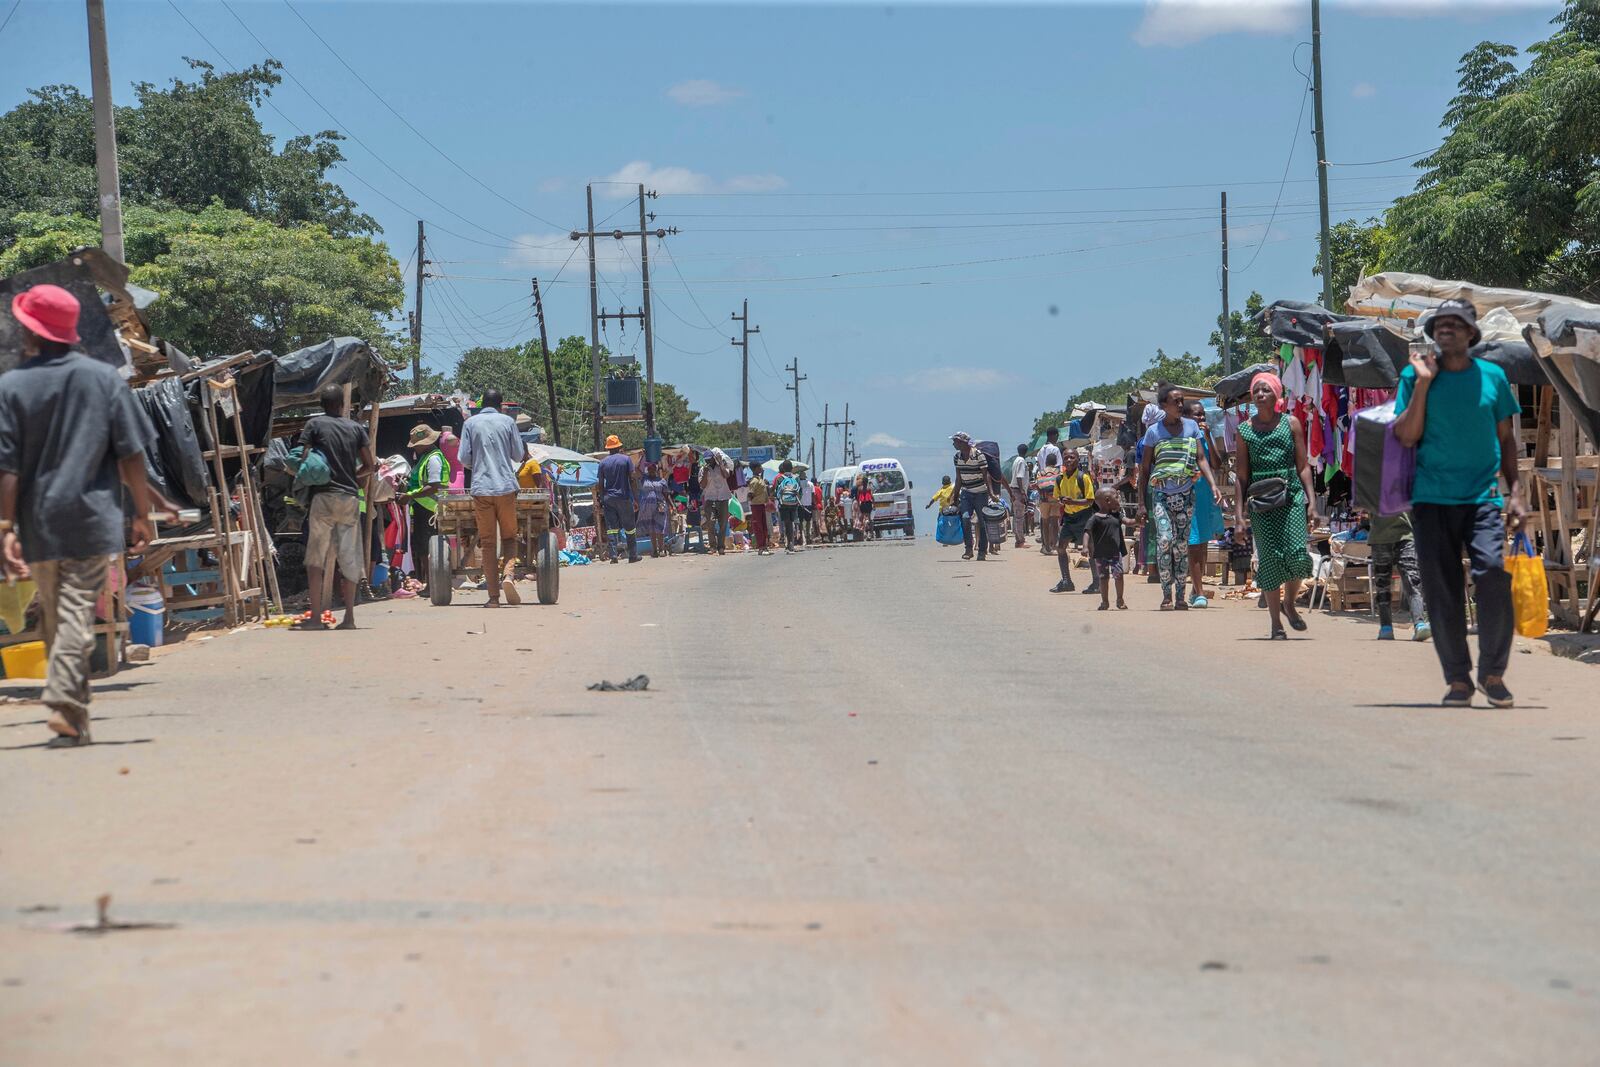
<point x="788" y="490"/>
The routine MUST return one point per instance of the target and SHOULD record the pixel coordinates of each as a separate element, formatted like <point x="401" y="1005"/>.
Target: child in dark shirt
<point x="1239" y="543"/>
<point x="1107" y="547"/>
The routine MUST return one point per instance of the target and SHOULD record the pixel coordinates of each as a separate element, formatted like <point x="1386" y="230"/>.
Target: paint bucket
<point x="146" y="616"/>
<point x="27" y="660"/>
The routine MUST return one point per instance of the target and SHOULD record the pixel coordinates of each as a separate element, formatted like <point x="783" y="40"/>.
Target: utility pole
<point x="649" y="334"/>
<point x="744" y="402"/>
<point x="794" y="368"/>
<point x="823" y="425"/>
<point x="549" y="376"/>
<point x="811" y="455"/>
<point x="644" y="312"/>
<point x="594" y="319"/>
<point x="105" y="135"/>
<point x="826" y="423"/>
<point x="416" y="316"/>
<point x="1227" y="319"/>
<point x="1322" y="152"/>
<point x="847" y="423"/>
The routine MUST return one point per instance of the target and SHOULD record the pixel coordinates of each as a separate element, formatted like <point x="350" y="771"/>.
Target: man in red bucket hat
<point x="71" y="436"/>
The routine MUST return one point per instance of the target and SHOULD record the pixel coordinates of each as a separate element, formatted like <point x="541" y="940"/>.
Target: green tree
<point x="1512" y="196"/>
<point x="186" y="146"/>
<point x="1250" y="345"/>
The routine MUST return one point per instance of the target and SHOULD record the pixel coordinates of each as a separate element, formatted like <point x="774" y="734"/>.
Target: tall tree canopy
<point x="1512" y="196"/>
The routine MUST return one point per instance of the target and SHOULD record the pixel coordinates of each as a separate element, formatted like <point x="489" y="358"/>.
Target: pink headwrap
<point x="1274" y="383"/>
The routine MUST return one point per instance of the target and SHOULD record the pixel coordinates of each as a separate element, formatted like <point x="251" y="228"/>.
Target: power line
<point x="1294" y="141"/>
<point x="1022" y="192"/>
<point x="1392" y="159"/>
<point x="7" y="20"/>
<point x="228" y="7"/>
<point x="447" y="157"/>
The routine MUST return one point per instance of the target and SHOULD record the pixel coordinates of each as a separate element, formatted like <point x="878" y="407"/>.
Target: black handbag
<point x="1268" y="494"/>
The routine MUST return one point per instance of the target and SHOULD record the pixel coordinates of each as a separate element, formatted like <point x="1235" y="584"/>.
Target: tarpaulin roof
<point x="1371" y="353"/>
<point x="1236" y="387"/>
<point x="1292" y="322"/>
<point x="302" y="374"/>
<point x="83" y="274"/>
<point x="1565" y="338"/>
<point x="1399" y="295"/>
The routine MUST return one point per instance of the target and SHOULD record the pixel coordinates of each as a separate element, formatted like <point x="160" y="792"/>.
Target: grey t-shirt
<point x="65" y="421"/>
<point x="340" y="441"/>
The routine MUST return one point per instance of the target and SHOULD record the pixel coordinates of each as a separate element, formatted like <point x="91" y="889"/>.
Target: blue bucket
<point x="147" y="613"/>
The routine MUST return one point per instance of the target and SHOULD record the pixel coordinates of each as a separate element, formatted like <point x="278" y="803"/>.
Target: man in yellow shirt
<point x="945" y="497"/>
<point x="1074" y="492"/>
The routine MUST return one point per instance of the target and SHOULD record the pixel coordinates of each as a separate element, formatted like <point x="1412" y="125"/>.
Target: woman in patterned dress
<point x="1273" y="445"/>
<point x="654" y="502"/>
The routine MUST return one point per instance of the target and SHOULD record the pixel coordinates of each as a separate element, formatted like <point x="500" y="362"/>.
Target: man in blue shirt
<point x="618" y="497"/>
<point x="1457" y="411"/>
<point x="492" y="449"/>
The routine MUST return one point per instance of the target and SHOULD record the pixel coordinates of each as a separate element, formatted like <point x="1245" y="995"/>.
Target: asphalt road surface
<point x="878" y="805"/>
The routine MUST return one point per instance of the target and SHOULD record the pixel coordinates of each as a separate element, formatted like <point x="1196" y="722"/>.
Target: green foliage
<point x="1051" y="418"/>
<point x="1356" y="248"/>
<point x="230" y="282"/>
<point x="1512" y="196"/>
<point x="1250" y="345"/>
<point x="184" y="146"/>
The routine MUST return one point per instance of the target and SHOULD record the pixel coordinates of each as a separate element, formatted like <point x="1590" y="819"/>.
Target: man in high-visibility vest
<point x="429" y="477"/>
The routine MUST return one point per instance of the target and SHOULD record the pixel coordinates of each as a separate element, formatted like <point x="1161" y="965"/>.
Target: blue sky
<point x="953" y="216"/>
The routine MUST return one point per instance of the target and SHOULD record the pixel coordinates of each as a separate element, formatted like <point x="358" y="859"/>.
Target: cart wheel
<point x="549" y="568"/>
<point x="441" y="580"/>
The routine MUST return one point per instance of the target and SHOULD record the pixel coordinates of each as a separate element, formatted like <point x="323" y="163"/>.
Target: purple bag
<point x="1384" y="468"/>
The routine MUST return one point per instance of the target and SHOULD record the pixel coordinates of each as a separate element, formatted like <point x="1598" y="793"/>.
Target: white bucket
<point x="147" y="611"/>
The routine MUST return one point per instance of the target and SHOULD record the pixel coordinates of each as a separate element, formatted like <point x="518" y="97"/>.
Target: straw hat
<point x="421" y="435"/>
<point x="524" y="421"/>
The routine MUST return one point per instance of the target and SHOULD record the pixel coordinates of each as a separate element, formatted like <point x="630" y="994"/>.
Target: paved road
<point x="879" y="805"/>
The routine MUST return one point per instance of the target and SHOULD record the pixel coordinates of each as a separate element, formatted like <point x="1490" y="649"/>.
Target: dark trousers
<point x="789" y="515"/>
<point x="1444" y="532"/>
<point x="1386" y="560"/>
<point x="970" y="505"/>
<point x="421" y="531"/>
<point x="716" y="512"/>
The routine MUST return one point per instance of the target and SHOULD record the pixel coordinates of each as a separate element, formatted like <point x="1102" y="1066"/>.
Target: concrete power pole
<point x="847" y="424"/>
<point x="643" y="313"/>
<point x="105" y="135"/>
<point x="1227" y="318"/>
<point x="416" y="317"/>
<point x="549" y="375"/>
<point x="1322" y="153"/>
<point x="825" y="424"/>
<point x="794" y="368"/>
<point x="649" y="333"/>
<point x="744" y="403"/>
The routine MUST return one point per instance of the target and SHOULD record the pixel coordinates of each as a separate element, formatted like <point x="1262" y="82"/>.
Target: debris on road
<point x="104" y="924"/>
<point x="637" y="684"/>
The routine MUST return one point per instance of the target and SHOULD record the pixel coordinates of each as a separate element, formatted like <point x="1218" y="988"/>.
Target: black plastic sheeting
<point x="1363" y="353"/>
<point x="1576" y="378"/>
<point x="1291" y="322"/>
<point x="174" y="462"/>
<point x="98" y="337"/>
<point x="302" y="374"/>
<point x="1235" y="388"/>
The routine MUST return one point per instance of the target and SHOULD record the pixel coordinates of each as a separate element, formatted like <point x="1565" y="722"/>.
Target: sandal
<point x="1279" y="634"/>
<point x="309" y="624"/>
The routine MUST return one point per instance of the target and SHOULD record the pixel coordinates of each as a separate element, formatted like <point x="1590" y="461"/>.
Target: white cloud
<point x="957" y="379"/>
<point x="702" y="92"/>
<point x="884" y="440"/>
<point x="670" y="180"/>
<point x="1364" y="90"/>
<point x="1175" y="23"/>
<point x="553" y="185"/>
<point x="548" y="252"/>
<point x="1180" y="22"/>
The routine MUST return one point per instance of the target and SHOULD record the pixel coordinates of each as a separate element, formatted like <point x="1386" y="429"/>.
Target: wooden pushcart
<point x="453" y="548"/>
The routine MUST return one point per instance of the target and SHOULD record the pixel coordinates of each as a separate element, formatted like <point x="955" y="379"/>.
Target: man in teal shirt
<point x="1457" y="411"/>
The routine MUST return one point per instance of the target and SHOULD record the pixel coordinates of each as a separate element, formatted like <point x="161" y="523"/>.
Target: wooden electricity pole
<point x="1227" y="319"/>
<point x="1322" y="153"/>
<point x="549" y="375"/>
<point x="744" y="402"/>
<point x="105" y="135"/>
<point x="794" y="368"/>
<point x="416" y="317"/>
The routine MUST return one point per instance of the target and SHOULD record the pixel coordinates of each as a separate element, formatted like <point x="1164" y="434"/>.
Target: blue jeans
<point x="1443" y="533"/>
<point x="970" y="506"/>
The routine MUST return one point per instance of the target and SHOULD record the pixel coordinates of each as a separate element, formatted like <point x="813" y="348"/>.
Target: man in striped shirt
<point x="977" y="482"/>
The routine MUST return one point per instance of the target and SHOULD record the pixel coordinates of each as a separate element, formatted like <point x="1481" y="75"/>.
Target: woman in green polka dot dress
<point x="1273" y="445"/>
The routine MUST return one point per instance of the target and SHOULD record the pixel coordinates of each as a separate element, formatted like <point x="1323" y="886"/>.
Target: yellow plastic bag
<point x="1530" y="598"/>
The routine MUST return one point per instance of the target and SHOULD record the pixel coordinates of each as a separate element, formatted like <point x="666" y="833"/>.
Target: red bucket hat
<point x="49" y="311"/>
